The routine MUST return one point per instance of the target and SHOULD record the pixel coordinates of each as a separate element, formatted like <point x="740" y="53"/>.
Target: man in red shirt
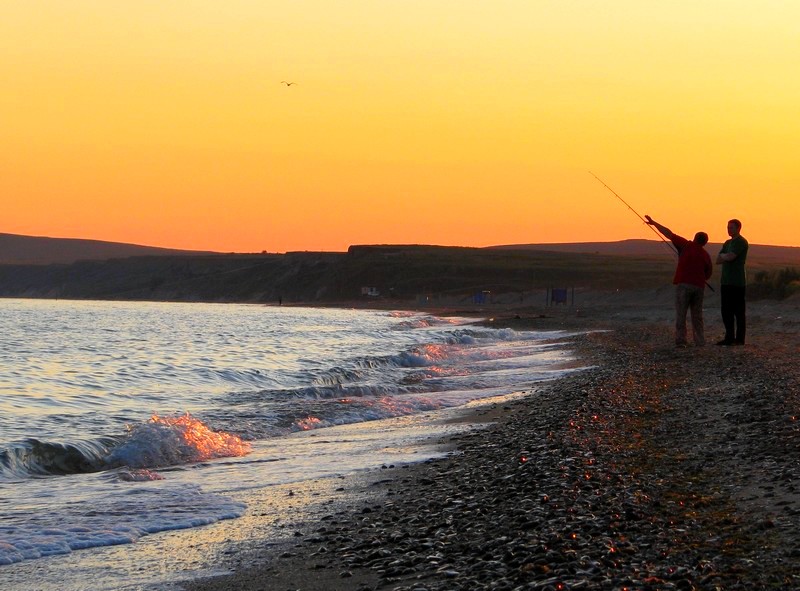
<point x="694" y="269"/>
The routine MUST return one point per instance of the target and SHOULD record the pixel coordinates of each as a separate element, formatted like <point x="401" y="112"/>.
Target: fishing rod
<point x="673" y="249"/>
<point x="669" y="244"/>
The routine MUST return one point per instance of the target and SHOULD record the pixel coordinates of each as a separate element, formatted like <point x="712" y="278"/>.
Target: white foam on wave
<point x="106" y="519"/>
<point x="362" y="410"/>
<point x="453" y="367"/>
<point x="169" y="441"/>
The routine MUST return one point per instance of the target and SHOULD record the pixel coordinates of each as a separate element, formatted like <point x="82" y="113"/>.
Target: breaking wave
<point x="157" y="443"/>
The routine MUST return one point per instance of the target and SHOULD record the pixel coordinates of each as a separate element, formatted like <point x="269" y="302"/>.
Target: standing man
<point x="732" y="257"/>
<point x="693" y="270"/>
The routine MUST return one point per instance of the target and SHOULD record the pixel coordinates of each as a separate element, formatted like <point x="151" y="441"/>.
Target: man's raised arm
<point x="663" y="229"/>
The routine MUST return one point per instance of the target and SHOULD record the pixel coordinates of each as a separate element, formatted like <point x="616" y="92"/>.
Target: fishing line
<point x="671" y="246"/>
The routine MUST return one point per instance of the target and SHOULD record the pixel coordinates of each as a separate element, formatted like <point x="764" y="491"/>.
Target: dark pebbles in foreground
<point x="657" y="469"/>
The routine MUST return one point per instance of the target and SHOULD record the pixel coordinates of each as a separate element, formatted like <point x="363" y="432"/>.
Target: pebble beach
<point x="656" y="468"/>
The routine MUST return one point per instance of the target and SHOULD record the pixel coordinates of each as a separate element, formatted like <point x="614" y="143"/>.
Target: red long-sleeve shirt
<point x="694" y="263"/>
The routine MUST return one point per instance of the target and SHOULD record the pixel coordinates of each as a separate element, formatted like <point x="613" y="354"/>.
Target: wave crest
<point x="161" y="441"/>
<point x="168" y="441"/>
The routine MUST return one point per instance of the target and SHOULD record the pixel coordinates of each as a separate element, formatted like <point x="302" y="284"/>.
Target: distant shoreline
<point x="416" y="277"/>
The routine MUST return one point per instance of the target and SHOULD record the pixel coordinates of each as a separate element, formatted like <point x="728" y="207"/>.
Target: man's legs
<point x="681" y="306"/>
<point x="740" y="315"/>
<point x="727" y="298"/>
<point x="696" y="307"/>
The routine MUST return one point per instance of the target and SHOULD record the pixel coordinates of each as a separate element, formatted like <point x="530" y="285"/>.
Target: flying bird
<point x="287" y="83"/>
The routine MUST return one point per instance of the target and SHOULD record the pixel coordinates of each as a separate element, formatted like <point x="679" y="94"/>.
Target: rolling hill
<point x="17" y="249"/>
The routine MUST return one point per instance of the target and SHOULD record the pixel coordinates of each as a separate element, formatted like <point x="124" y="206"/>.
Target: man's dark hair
<point x="736" y="222"/>
<point x="701" y="238"/>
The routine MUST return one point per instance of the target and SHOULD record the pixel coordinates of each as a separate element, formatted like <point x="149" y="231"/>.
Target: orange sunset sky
<point x="411" y="121"/>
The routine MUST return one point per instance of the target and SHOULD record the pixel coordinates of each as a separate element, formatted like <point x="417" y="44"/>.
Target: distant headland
<point x="90" y="269"/>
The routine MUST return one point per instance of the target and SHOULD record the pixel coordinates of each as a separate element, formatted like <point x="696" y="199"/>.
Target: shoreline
<point x="655" y="469"/>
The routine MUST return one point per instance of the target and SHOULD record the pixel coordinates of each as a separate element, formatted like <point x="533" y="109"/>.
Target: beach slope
<point x="658" y="468"/>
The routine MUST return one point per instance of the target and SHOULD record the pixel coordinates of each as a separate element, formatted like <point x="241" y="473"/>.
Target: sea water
<point x="120" y="420"/>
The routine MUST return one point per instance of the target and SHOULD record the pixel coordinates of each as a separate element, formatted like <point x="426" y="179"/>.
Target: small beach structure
<point x="560" y="295"/>
<point x="482" y="297"/>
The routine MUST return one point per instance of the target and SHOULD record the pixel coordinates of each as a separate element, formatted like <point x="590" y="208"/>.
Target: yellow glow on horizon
<point x="411" y="122"/>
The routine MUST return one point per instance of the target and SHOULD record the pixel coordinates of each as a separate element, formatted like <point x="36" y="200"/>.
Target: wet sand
<point x="658" y="468"/>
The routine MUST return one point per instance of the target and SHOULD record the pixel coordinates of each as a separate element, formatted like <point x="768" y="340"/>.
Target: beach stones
<point x="625" y="476"/>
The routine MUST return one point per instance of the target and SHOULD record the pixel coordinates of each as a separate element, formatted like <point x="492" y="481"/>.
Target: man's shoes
<point x="738" y="343"/>
<point x="681" y="345"/>
<point x="725" y="343"/>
